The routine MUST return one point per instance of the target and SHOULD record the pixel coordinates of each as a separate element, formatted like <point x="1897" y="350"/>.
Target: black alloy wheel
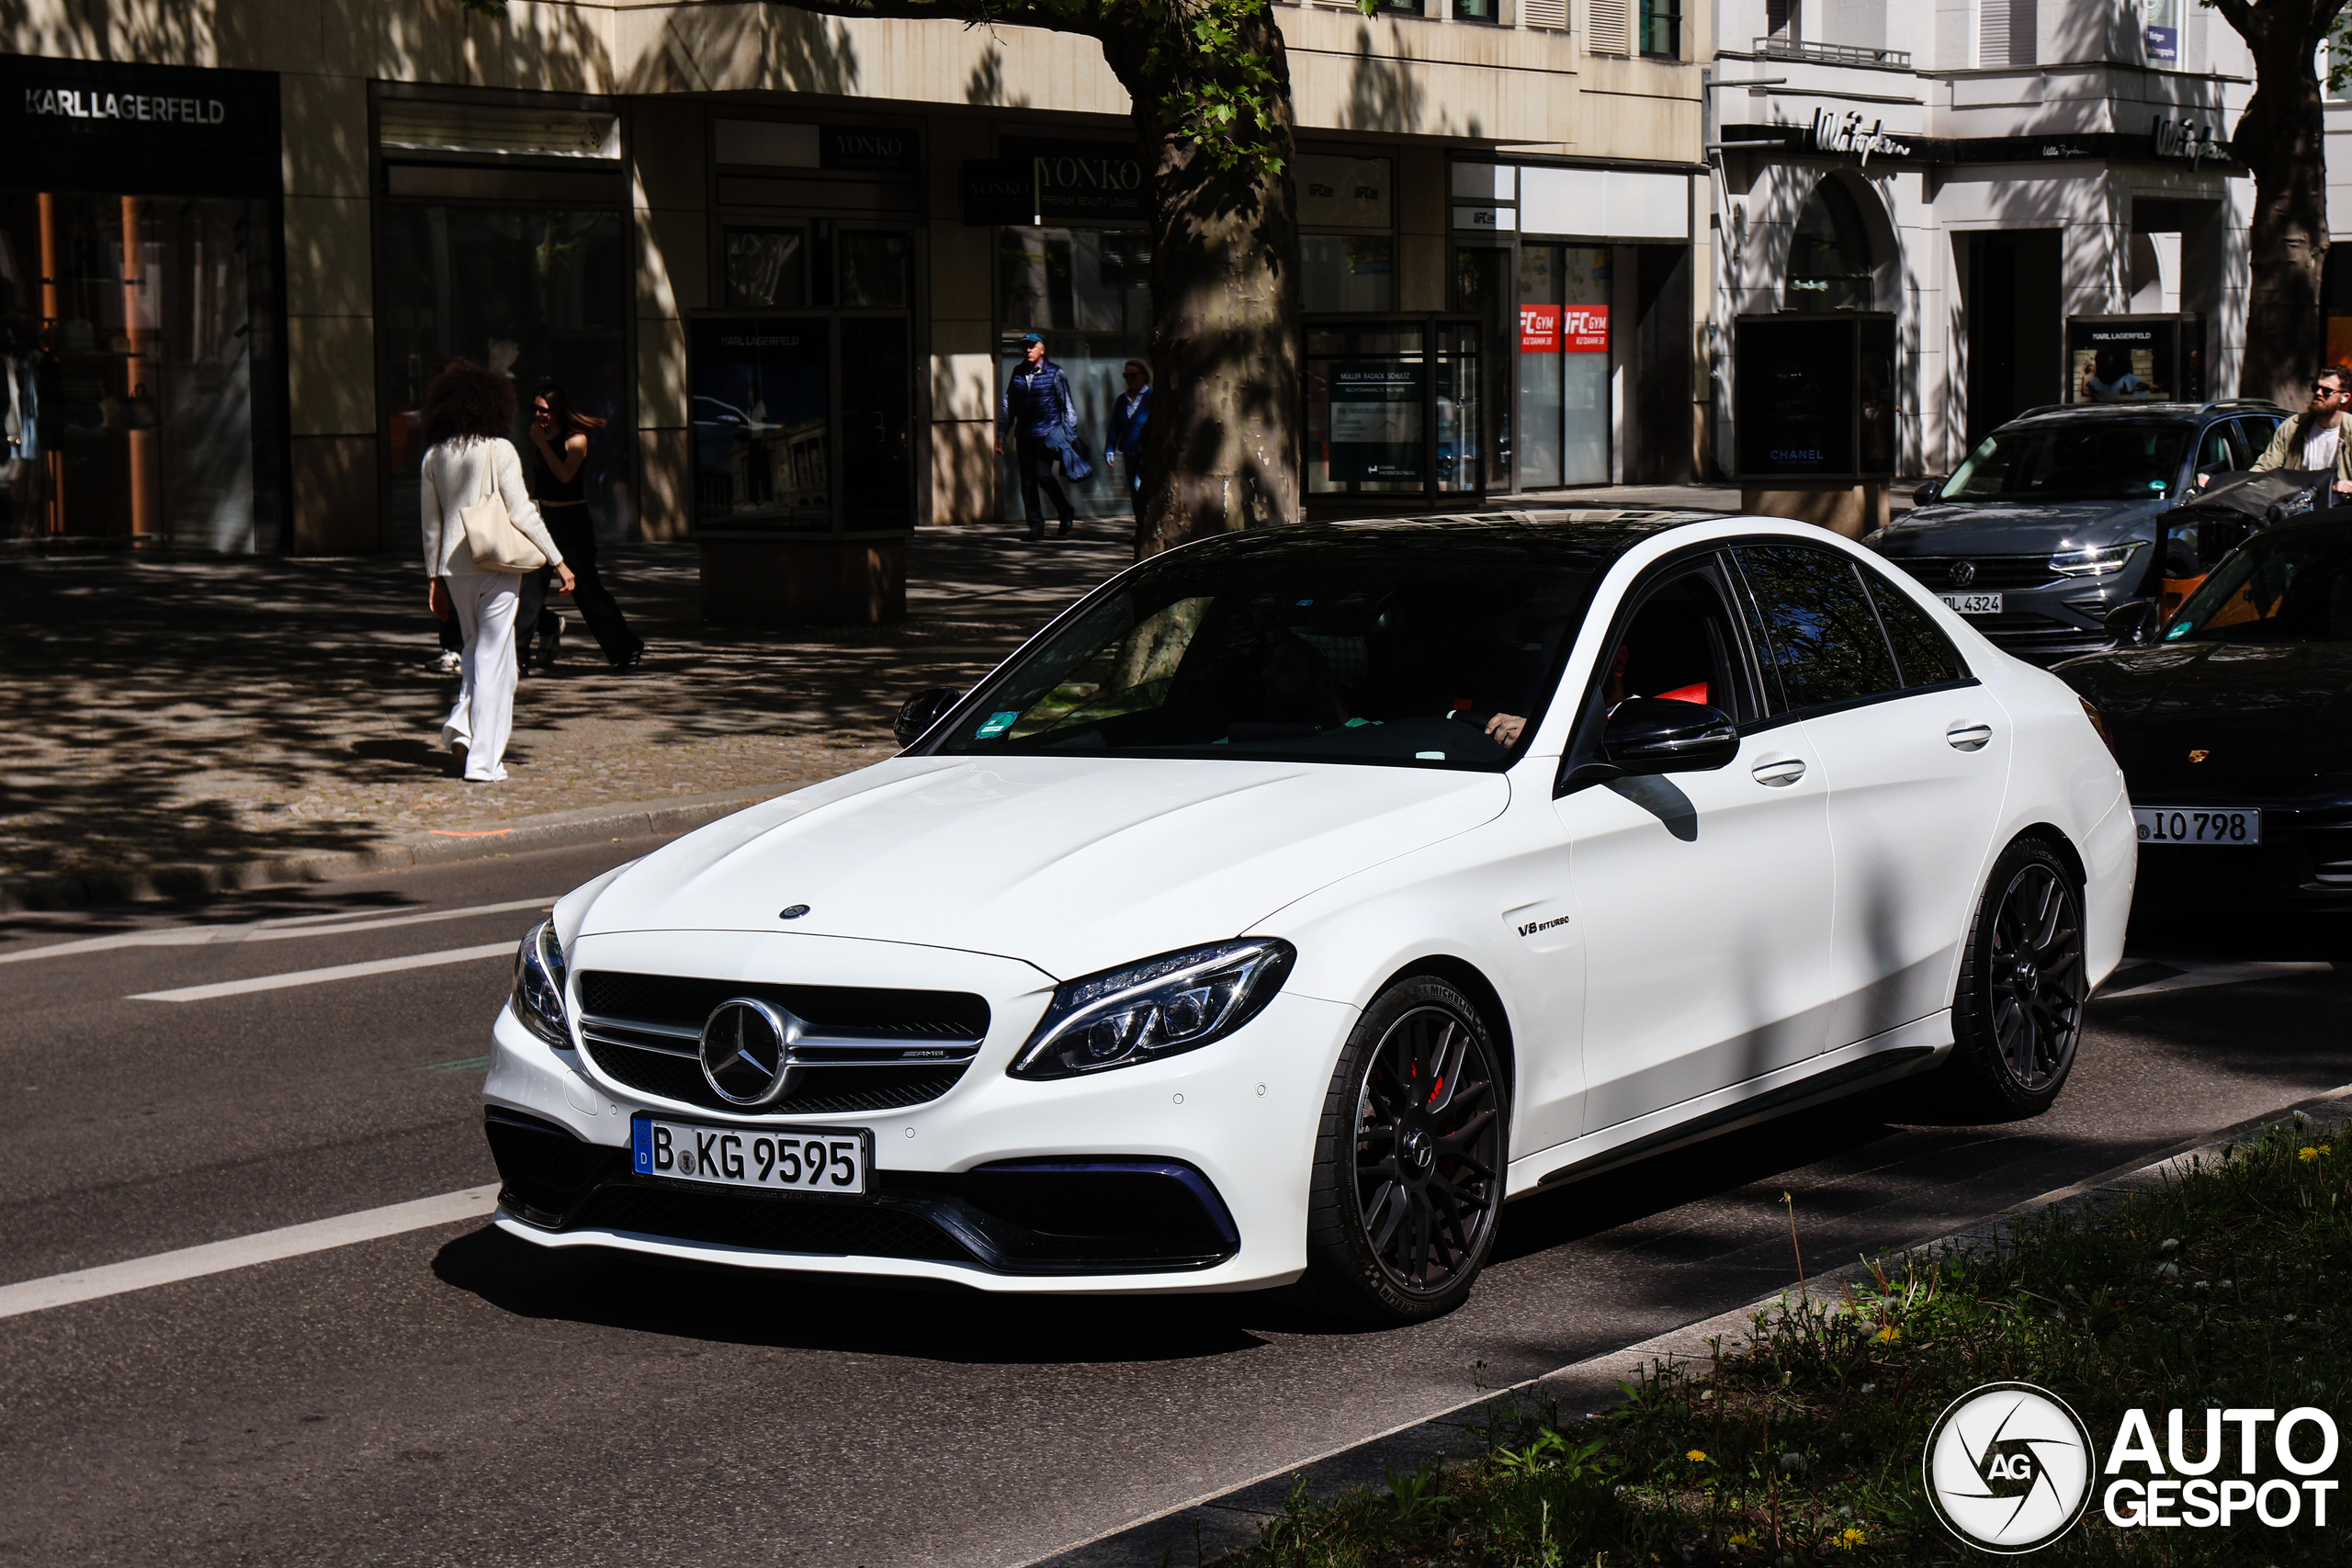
<point x="2018" y="1014"/>
<point x="1408" y="1179"/>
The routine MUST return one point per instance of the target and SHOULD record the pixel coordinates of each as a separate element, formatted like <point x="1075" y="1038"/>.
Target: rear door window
<point x="1923" y="654"/>
<point x="1820" y="633"/>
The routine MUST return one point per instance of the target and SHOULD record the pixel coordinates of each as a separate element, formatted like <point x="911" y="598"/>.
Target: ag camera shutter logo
<point x="2008" y="1467"/>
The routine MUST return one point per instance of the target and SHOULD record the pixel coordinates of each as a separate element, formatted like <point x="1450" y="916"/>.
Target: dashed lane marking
<point x="268" y="1247"/>
<point x="319" y="977"/>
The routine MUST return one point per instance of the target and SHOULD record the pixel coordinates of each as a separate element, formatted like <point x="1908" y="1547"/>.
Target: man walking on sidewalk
<point x="1037" y="411"/>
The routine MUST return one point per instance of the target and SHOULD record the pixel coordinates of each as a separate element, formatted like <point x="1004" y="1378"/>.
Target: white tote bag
<point x="497" y="544"/>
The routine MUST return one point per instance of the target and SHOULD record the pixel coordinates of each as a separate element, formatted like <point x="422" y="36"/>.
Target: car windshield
<point x="2294" y="586"/>
<point x="2071" y="460"/>
<point x="1339" y="651"/>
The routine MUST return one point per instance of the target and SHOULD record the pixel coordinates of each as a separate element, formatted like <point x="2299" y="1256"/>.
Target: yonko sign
<point x="2010" y="1468"/>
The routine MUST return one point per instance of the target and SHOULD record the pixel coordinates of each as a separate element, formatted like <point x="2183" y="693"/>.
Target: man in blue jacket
<point x="1129" y="414"/>
<point x="1037" y="411"/>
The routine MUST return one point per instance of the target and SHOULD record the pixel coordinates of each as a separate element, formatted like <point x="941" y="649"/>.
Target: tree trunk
<point x="1223" y="446"/>
<point x="2281" y="139"/>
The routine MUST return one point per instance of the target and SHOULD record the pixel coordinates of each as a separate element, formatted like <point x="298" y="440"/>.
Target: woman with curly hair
<point x="468" y="412"/>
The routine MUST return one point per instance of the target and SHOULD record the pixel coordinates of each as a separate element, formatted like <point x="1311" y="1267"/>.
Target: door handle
<point x="1969" y="736"/>
<point x="1787" y="771"/>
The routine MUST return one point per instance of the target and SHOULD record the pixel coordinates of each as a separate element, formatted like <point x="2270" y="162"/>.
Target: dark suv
<point x="2048" y="526"/>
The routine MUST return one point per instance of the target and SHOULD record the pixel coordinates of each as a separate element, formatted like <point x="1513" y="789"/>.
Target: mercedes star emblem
<point x="747" y="1051"/>
<point x="1963" y="572"/>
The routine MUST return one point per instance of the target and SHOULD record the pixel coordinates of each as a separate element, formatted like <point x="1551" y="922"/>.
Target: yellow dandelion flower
<point x="1697" y="1455"/>
<point x="1854" y="1537"/>
<point x="1889" y="1335"/>
<point x="1740" y="1540"/>
<point x="2311" y="1153"/>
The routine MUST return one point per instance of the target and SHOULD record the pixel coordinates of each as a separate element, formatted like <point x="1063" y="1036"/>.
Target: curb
<point x="554" y="830"/>
<point x="1202" y="1532"/>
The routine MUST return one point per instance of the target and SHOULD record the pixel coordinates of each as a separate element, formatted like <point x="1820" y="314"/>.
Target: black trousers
<point x="575" y="535"/>
<point x="1034" y="460"/>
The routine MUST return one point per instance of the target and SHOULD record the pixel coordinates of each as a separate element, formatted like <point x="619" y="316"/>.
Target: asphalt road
<point x="449" y="1396"/>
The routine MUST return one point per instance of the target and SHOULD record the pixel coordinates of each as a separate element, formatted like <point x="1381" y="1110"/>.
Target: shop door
<point x="538" y="293"/>
<point x="1563" y="366"/>
<point x="2015" y="327"/>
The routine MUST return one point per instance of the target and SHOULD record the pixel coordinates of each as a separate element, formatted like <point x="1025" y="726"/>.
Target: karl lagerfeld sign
<point x="160" y="109"/>
<point x="2186" y="138"/>
<point x="1843" y="133"/>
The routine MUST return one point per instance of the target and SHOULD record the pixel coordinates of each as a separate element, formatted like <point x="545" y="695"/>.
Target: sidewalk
<point x="199" y="718"/>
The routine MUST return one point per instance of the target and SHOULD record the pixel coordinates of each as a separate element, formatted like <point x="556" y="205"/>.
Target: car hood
<point x="2268" y="717"/>
<point x="1072" y="864"/>
<point x="2003" y="529"/>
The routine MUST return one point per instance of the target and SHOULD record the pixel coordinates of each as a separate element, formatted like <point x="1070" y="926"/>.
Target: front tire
<point x="2018" y="1012"/>
<point x="1408" y="1161"/>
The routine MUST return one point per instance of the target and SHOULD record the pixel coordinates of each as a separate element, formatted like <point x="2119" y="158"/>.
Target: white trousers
<point x="484" y="603"/>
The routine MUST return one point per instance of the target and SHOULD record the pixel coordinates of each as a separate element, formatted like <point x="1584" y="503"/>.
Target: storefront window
<point x="1088" y="293"/>
<point x="1394" y="410"/>
<point x="1829" y="260"/>
<point x="1347" y="272"/>
<point x="537" y="294"/>
<point x="135" y="347"/>
<point x="767" y="267"/>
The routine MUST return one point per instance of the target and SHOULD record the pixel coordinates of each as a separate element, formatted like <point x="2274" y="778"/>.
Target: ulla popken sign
<point x="1843" y="133"/>
<point x="1564" y="329"/>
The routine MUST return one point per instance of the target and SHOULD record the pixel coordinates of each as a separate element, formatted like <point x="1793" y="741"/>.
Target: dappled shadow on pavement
<point x="213" y="711"/>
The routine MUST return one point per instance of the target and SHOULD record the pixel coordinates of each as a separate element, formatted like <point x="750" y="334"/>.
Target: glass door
<point x="1563" y="366"/>
<point x="1393" y="411"/>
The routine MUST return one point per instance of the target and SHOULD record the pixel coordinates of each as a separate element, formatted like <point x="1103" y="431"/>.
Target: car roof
<point x="2164" y="413"/>
<point x="1579" y="537"/>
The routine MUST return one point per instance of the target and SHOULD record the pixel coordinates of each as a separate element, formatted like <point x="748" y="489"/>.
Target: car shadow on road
<point x="805" y="1312"/>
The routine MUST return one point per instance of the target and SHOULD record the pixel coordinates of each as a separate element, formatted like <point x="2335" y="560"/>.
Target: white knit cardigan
<point x="457" y="474"/>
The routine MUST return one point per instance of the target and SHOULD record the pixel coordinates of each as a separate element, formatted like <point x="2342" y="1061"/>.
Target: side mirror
<point x="1927" y="494"/>
<point x="1660" y="735"/>
<point x="921" y="711"/>
<point x="2135" y="624"/>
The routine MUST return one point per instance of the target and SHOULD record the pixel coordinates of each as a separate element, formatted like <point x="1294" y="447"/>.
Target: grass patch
<point x="2223" y="1288"/>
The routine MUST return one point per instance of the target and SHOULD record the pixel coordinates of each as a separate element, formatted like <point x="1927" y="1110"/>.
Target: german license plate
<point x="779" y="1159"/>
<point x="2196" y="825"/>
<point x="1973" y="603"/>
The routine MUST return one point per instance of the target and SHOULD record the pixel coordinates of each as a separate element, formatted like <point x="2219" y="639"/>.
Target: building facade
<point x="2026" y="198"/>
<point x="790" y="258"/>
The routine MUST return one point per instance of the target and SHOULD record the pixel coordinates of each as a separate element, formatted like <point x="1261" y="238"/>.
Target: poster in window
<point x="2122" y="360"/>
<point x="1539" y="329"/>
<point x="761" y="416"/>
<point x="1583" y="329"/>
<point x="1376" y="430"/>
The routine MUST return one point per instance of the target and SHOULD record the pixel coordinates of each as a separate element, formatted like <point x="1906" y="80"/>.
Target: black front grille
<point x="820" y="1089"/>
<point x="770" y="1224"/>
<point x="641" y="1031"/>
<point x="1992" y="573"/>
<point x="856" y="1012"/>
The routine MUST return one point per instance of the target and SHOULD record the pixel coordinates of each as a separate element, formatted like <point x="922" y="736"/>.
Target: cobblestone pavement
<point x="208" y="711"/>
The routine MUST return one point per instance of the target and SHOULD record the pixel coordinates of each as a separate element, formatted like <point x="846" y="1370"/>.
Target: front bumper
<point x="1187" y="1174"/>
<point x="2304" y="860"/>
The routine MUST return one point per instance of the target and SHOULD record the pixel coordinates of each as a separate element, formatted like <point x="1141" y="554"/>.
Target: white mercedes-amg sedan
<point x="1299" y="898"/>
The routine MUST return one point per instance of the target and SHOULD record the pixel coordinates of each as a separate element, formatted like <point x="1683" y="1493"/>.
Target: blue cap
<point x="1031" y="337"/>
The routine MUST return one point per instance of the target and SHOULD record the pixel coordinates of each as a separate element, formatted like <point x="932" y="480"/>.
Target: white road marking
<point x="278" y="929"/>
<point x="219" y="1257"/>
<point x="2203" y="974"/>
<point x="319" y="977"/>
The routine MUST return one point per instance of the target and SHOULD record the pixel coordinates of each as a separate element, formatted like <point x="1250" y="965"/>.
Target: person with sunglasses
<point x="1129" y="412"/>
<point x="2313" y="439"/>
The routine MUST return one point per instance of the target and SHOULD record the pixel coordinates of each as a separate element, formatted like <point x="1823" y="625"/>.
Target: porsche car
<point x="1300" y="896"/>
<point x="2230" y="715"/>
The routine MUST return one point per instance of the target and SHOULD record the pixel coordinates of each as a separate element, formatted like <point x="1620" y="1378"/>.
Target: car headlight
<point x="2103" y="561"/>
<point x="538" y="986"/>
<point x="1177" y="1002"/>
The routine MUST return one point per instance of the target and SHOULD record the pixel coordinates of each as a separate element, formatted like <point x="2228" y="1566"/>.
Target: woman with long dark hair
<point x="468" y="412"/>
<point x="560" y="436"/>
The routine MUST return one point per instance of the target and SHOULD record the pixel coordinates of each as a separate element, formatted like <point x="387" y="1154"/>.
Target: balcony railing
<point x="1832" y="53"/>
